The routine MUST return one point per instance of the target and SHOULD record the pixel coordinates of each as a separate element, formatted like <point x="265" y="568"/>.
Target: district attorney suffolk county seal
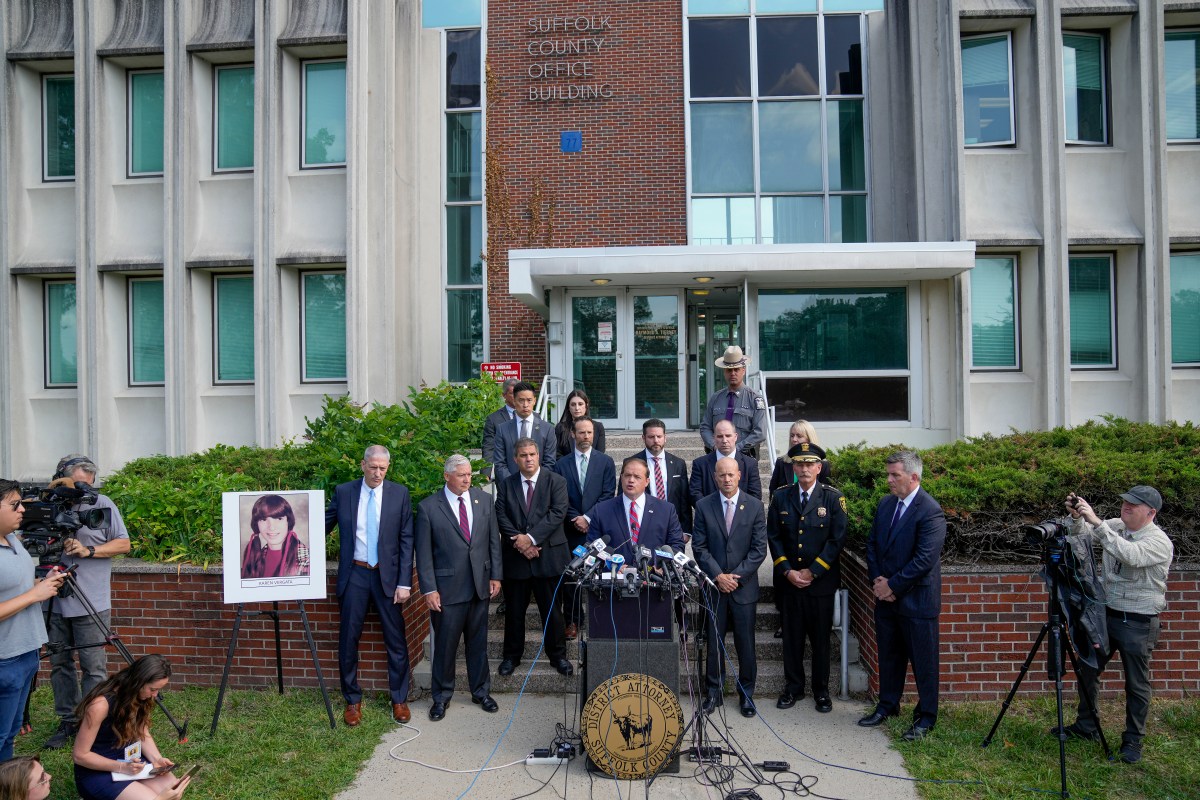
<point x="631" y="724"/>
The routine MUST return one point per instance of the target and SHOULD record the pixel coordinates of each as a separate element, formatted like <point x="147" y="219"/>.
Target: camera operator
<point x="1136" y="557"/>
<point x="68" y="623"/>
<point x="22" y="630"/>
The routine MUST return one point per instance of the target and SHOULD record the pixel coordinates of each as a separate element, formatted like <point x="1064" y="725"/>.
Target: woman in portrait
<point x="114" y="716"/>
<point x="578" y="405"/>
<point x="274" y="549"/>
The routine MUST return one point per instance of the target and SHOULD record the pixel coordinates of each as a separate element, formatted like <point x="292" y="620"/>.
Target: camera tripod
<point x="1059" y="643"/>
<point x="109" y="638"/>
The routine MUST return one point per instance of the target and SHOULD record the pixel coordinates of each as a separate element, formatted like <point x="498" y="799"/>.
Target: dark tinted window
<point x="462" y="69"/>
<point x="876" y="398"/>
<point x="720" y="57"/>
<point x="788" y="63"/>
<point x="843" y="56"/>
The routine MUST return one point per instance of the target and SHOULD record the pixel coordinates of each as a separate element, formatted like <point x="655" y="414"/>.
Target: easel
<point x="274" y="615"/>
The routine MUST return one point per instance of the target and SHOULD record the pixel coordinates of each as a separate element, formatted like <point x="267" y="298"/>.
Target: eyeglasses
<point x="14" y="505"/>
<point x="45" y="779"/>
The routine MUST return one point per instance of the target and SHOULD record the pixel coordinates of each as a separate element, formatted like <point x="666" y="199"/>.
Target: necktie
<point x="528" y="494"/>
<point x="803" y="498"/>
<point x="896" y="516"/>
<point x="462" y="519"/>
<point x="633" y="522"/>
<point x="659" y="488"/>
<point x="729" y="406"/>
<point x="372" y="529"/>
<point x="582" y="470"/>
<point x="728" y="515"/>
<point x="524" y="429"/>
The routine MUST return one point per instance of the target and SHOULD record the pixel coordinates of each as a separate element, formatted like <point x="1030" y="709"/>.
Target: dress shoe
<point x="786" y="700"/>
<point x="747" y="707"/>
<point x="779" y="633"/>
<point x="711" y="702"/>
<point x="400" y="712"/>
<point x="916" y="731"/>
<point x="572" y="630"/>
<point x="500" y="609"/>
<point x="507" y="666"/>
<point x="1076" y="731"/>
<point x="66" y="730"/>
<point x="1131" y="753"/>
<point x="824" y="704"/>
<point x="564" y="667"/>
<point x="874" y="719"/>
<point x="437" y="711"/>
<point x="489" y="705"/>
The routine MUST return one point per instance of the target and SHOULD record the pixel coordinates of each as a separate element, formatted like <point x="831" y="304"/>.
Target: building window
<point x="323" y="326"/>
<point x="60" y="340"/>
<point x="146" y="348"/>
<point x="1085" y="104"/>
<point x="777" y="129"/>
<point x="464" y="205"/>
<point x="1182" y="66"/>
<point x="987" y="86"/>
<point x="1185" y="309"/>
<point x="145" y="123"/>
<point x="323" y="114"/>
<point x="1093" y="315"/>
<point x="233" y="118"/>
<point x="835" y="354"/>
<point x="233" y="326"/>
<point x="994" y="342"/>
<point x="58" y="127"/>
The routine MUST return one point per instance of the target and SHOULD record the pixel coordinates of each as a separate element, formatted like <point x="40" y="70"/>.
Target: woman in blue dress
<point x="113" y="717"/>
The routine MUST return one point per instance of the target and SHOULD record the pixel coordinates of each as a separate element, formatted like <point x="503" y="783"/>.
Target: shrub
<point x="172" y="505"/>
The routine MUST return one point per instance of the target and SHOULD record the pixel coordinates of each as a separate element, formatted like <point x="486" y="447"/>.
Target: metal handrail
<point x="551" y="395"/>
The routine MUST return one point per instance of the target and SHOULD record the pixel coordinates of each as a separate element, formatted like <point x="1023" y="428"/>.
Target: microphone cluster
<point x="595" y="567"/>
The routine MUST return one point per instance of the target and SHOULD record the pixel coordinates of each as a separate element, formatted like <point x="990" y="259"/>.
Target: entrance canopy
<point x="531" y="272"/>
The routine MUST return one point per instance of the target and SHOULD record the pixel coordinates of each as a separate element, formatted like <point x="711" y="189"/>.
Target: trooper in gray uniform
<point x="738" y="403"/>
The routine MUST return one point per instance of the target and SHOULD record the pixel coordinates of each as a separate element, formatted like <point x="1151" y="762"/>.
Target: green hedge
<point x="992" y="485"/>
<point x="172" y="505"/>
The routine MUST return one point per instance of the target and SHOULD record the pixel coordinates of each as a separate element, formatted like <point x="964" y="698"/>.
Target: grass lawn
<point x="1022" y="760"/>
<point x="267" y="745"/>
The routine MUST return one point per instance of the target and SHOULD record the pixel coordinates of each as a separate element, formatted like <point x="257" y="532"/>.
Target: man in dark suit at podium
<point x="729" y="538"/>
<point x="460" y="569"/>
<point x="634" y="518"/>
<point x="704" y="483"/>
<point x="375" y="524"/>
<point x="591" y="477"/>
<point x="530" y="507"/>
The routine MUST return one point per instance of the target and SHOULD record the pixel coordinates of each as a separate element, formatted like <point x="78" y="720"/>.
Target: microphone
<point x="618" y="561"/>
<point x="580" y="552"/>
<point x="644" y="557"/>
<point x="691" y="566"/>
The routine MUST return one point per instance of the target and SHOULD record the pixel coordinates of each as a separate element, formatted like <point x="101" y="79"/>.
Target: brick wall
<point x="627" y="186"/>
<point x="990" y="620"/>
<point x="157" y="609"/>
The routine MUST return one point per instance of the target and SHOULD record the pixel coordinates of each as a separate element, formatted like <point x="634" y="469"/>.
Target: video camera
<point x="1050" y="536"/>
<point x="50" y="519"/>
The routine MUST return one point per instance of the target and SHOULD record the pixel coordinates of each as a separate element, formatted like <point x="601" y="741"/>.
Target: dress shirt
<point x="661" y="461"/>
<point x="640" y="502"/>
<point x="579" y="454"/>
<point x="905" y="502"/>
<point x="452" y="499"/>
<point x="525" y="486"/>
<point x="520" y="422"/>
<point x="360" y="527"/>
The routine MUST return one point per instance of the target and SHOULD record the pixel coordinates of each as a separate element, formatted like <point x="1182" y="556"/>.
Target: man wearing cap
<point x="1136" y="556"/>
<point x="806" y="531"/>
<point x="738" y="403"/>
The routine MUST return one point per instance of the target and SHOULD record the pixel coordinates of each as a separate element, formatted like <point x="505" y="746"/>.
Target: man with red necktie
<point x="636" y="518"/>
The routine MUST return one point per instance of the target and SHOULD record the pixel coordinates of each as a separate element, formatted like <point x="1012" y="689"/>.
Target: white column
<point x="88" y="325"/>
<point x="179" y="126"/>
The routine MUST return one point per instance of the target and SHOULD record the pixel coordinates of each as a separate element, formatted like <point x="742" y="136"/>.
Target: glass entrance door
<point x="627" y="354"/>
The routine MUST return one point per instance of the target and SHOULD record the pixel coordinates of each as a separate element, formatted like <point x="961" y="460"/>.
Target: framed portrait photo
<point x="273" y="545"/>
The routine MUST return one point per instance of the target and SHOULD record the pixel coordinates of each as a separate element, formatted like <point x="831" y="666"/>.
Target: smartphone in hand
<point x="191" y="773"/>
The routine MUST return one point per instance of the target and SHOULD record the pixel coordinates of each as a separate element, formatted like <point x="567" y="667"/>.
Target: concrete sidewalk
<point x="467" y="736"/>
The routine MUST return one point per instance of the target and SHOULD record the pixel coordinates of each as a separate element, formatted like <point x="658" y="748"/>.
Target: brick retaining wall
<point x="991" y="617"/>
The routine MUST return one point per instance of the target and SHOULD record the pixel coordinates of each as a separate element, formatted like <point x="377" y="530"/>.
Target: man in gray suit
<point x="525" y="424"/>
<point x="459" y="567"/>
<point x="729" y="538"/>
<point x="498" y="418"/>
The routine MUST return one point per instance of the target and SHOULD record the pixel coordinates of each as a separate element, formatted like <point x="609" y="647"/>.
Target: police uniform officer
<point x="738" y="403"/>
<point x="806" y="531"/>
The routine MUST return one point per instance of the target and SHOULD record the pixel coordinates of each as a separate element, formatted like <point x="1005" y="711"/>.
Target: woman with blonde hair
<point x="23" y="778"/>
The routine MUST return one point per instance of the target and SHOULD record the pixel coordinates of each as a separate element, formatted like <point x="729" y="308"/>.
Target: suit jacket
<point x="493" y="421"/>
<point x="659" y="525"/>
<point x="703" y="483"/>
<point x="395" y="533"/>
<point x="678" y="494"/>
<point x="601" y="485"/>
<point x="739" y="550"/>
<point x="540" y="431"/>
<point x="446" y="563"/>
<point x="543" y="521"/>
<point x="810" y="537"/>
<point x="910" y="555"/>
